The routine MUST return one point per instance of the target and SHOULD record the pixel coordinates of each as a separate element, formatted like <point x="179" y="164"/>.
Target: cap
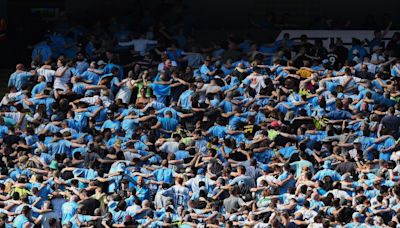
<point x="201" y="171"/>
<point x="101" y="62"/>
<point x="53" y="165"/>
<point x="265" y="168"/>
<point x="357" y="140"/>
<point x="275" y="124"/>
<point x="327" y="164"/>
<point x="356" y="215"/>
<point x="109" y="112"/>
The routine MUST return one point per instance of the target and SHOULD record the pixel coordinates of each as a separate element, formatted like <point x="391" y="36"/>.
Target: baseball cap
<point x="327" y="164"/>
<point x="201" y="171"/>
<point x="356" y="215"/>
<point x="101" y="62"/>
<point x="265" y="168"/>
<point x="275" y="124"/>
<point x="53" y="165"/>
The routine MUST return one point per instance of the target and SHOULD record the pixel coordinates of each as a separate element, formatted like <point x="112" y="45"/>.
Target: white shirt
<point x="375" y="57"/>
<point x="193" y="183"/>
<point x="160" y="66"/>
<point x="342" y="195"/>
<point x="308" y="214"/>
<point x="59" y="82"/>
<point x="72" y="131"/>
<point x="170" y="147"/>
<point x="257" y="82"/>
<point x="129" y="156"/>
<point x="371" y="67"/>
<point x="90" y="100"/>
<point x="47" y="73"/>
<point x="16" y="116"/>
<point x="11" y="97"/>
<point x="267" y="178"/>
<point x="134" y="208"/>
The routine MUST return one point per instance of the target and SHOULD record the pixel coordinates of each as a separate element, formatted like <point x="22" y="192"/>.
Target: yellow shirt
<point x="304" y="73"/>
<point x="21" y="191"/>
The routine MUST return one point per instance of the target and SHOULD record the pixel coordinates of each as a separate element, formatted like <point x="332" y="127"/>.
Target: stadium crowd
<point x="108" y="128"/>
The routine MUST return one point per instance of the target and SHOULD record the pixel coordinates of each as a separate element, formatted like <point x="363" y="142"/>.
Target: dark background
<point x="206" y="19"/>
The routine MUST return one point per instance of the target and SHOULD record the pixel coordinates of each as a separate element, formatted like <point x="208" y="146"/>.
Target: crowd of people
<point x="107" y="128"/>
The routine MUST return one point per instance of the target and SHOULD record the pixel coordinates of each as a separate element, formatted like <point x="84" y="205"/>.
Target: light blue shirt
<point x="68" y="211"/>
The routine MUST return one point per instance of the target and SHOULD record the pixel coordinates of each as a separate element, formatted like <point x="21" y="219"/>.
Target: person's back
<point x="68" y="211"/>
<point x="168" y="124"/>
<point x="41" y="52"/>
<point x="47" y="73"/>
<point x="181" y="194"/>
<point x="47" y="217"/>
<point x="60" y="147"/>
<point x="327" y="172"/>
<point x="391" y="122"/>
<point x="249" y="181"/>
<point x="90" y="157"/>
<point x="232" y="203"/>
<point x="57" y="204"/>
<point x="20" y="221"/>
<point x="164" y="174"/>
<point x="346" y="167"/>
<point x="19" y="79"/>
<point x="300" y="164"/>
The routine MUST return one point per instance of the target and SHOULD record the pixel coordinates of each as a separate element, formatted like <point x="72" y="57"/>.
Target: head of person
<point x="241" y="170"/>
<point x="378" y="34"/>
<point x="61" y="61"/>
<point x="20" y="67"/>
<point x="115" y="71"/>
<point x="80" y="56"/>
<point x="140" y="181"/>
<point x="3" y="219"/>
<point x="168" y="114"/>
<point x="26" y="211"/>
<point x="207" y="61"/>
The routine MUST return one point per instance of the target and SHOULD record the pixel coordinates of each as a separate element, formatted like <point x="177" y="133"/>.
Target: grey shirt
<point x="232" y="203"/>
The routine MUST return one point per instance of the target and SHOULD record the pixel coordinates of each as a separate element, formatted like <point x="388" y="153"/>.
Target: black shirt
<point x="10" y="139"/>
<point x="391" y="122"/>
<point x="333" y="59"/>
<point x="89" y="205"/>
